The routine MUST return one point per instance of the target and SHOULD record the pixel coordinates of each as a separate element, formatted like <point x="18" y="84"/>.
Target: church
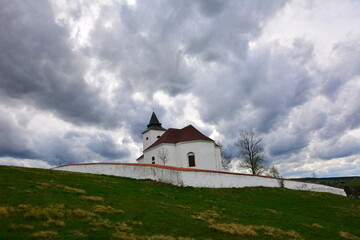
<point x="184" y="148"/>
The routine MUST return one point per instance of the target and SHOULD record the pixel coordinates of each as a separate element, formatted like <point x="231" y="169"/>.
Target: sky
<point x="80" y="79"/>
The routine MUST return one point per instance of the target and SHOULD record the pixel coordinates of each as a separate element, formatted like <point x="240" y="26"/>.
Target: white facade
<point x="194" y="177"/>
<point x="206" y="155"/>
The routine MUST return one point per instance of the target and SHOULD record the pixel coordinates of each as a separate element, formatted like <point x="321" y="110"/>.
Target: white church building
<point x="184" y="148"/>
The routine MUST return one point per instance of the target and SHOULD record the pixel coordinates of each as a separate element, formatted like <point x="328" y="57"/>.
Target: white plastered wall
<point x="204" y="154"/>
<point x="207" y="156"/>
<point x="195" y="178"/>
<point x="154" y="152"/>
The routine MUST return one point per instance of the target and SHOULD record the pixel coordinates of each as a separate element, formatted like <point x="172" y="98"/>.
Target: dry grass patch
<point x="92" y="198"/>
<point x="52" y="211"/>
<point x="277" y="232"/>
<point x="81" y="213"/>
<point x="106" y="223"/>
<point x="347" y="235"/>
<point x="78" y="234"/>
<point x="44" y="234"/>
<point x="125" y="236"/>
<point x="136" y="223"/>
<point x="29" y="191"/>
<point x="316" y="225"/>
<point x="73" y="190"/>
<point x="24" y="206"/>
<point x="182" y="206"/>
<point x="235" y="229"/>
<point x="163" y="237"/>
<point x="42" y="185"/>
<point x="4" y="211"/>
<point x="122" y="227"/>
<point x="106" y="209"/>
<point x="251" y="230"/>
<point x="208" y="216"/>
<point x="271" y="210"/>
<point x="57" y="223"/>
<point x="21" y="227"/>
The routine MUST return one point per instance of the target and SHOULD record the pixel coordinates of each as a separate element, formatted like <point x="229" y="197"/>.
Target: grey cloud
<point x="345" y="61"/>
<point x="21" y="140"/>
<point x="104" y="146"/>
<point x="212" y="7"/>
<point x="150" y="57"/>
<point x="77" y="147"/>
<point x="12" y="142"/>
<point x="263" y="90"/>
<point x="336" y="148"/>
<point x="286" y="143"/>
<point x="37" y="64"/>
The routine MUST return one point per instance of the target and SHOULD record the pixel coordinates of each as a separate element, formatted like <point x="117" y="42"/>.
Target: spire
<point x="154" y="123"/>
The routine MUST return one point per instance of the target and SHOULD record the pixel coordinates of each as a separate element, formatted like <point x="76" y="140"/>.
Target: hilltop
<point x="38" y="203"/>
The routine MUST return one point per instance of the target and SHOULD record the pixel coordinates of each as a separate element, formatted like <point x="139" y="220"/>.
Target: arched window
<point x="153" y="160"/>
<point x="147" y="138"/>
<point x="191" y="159"/>
<point x="158" y="136"/>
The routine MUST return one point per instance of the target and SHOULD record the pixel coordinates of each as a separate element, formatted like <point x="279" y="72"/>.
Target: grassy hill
<point x="38" y="204"/>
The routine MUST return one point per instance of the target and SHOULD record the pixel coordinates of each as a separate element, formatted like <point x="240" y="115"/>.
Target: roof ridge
<point x="186" y="134"/>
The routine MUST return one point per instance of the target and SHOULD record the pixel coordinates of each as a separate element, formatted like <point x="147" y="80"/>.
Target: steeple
<point x="153" y="132"/>
<point x="154" y="123"/>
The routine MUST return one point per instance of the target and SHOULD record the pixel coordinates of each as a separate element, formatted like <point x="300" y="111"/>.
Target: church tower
<point x="153" y="132"/>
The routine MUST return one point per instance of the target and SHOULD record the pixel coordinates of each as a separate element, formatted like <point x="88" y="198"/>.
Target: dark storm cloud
<point x="37" y="64"/>
<point x="77" y="147"/>
<point x="150" y="57"/>
<point x="263" y="90"/>
<point x="12" y="143"/>
<point x="339" y="147"/>
<point x="149" y="45"/>
<point x="104" y="145"/>
<point x="20" y="142"/>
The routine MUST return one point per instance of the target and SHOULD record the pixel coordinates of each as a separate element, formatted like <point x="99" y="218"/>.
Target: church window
<point x="191" y="159"/>
<point x="158" y="136"/>
<point x="153" y="160"/>
<point x="147" y="138"/>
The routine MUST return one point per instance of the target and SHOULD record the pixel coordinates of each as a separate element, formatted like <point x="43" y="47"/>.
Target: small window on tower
<point x="147" y="138"/>
<point x="158" y="136"/>
<point x="153" y="160"/>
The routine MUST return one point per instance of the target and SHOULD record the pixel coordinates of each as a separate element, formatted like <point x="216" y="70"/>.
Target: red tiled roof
<point x="173" y="135"/>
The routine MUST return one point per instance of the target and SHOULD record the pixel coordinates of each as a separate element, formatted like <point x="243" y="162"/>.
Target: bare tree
<point x="275" y="173"/>
<point x="163" y="154"/>
<point x="226" y="157"/>
<point x="251" y="151"/>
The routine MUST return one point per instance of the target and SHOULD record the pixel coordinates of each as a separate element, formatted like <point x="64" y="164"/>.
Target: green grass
<point x="46" y="204"/>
